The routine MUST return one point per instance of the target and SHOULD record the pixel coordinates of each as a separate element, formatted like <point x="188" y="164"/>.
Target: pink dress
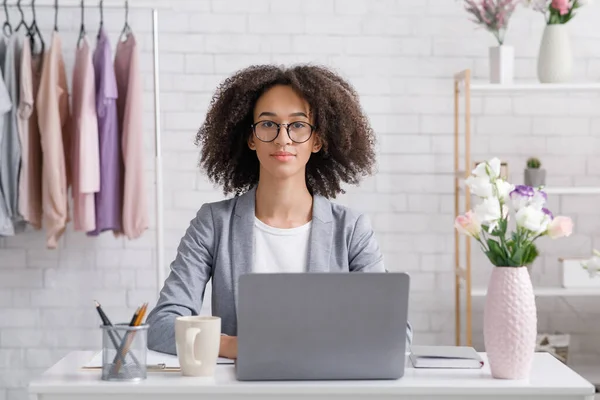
<point x="34" y="150"/>
<point x="53" y="118"/>
<point x="129" y="108"/>
<point x="85" y="155"/>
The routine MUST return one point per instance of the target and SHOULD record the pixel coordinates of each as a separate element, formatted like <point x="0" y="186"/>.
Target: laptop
<point x="322" y="326"/>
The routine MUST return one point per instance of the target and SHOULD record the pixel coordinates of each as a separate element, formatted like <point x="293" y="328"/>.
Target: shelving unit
<point x="549" y="292"/>
<point x="536" y="87"/>
<point x="463" y="87"/>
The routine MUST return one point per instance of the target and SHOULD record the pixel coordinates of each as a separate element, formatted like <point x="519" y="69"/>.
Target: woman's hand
<point x="228" y="347"/>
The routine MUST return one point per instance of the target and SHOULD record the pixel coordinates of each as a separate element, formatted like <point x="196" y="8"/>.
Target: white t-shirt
<point x="280" y="250"/>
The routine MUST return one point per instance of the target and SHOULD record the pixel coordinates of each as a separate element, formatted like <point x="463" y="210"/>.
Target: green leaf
<point x="500" y="229"/>
<point x="496" y="253"/>
<point x="532" y="253"/>
<point x="493" y="258"/>
<point x="517" y="257"/>
<point x="514" y="236"/>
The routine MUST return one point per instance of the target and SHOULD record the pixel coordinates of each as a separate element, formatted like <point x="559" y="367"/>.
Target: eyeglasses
<point x="267" y="131"/>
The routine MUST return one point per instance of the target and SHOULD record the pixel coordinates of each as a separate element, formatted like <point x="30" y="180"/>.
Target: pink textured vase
<point x="510" y="323"/>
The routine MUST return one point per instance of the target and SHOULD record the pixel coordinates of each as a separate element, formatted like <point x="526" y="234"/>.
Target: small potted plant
<point x="535" y="175"/>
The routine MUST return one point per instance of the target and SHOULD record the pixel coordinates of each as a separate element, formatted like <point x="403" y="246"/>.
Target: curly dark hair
<point x="348" y="139"/>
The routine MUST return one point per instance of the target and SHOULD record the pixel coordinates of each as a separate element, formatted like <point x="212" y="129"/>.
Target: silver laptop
<point x="317" y="326"/>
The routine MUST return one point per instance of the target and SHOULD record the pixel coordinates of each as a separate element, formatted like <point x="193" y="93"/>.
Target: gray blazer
<point x="218" y="245"/>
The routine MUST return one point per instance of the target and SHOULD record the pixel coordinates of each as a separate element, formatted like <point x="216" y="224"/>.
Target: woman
<point x="282" y="141"/>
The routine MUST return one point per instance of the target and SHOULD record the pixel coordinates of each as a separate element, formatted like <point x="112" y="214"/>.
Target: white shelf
<point x="552" y="190"/>
<point x="573" y="190"/>
<point x="549" y="292"/>
<point x="536" y="87"/>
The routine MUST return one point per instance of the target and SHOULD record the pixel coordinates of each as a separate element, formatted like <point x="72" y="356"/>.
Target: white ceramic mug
<point x="198" y="339"/>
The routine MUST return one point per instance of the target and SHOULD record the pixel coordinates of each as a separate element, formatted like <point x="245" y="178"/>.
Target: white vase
<point x="510" y="323"/>
<point x="555" y="61"/>
<point x="502" y="60"/>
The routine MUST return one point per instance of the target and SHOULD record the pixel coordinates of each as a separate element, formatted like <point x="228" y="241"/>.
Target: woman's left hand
<point x="228" y="347"/>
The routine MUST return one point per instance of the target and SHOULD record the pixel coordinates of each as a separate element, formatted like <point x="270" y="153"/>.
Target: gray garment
<point x="7" y="144"/>
<point x="10" y="152"/>
<point x="218" y="245"/>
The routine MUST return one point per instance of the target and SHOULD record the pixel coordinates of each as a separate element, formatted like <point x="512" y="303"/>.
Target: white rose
<point x="532" y="219"/>
<point x="480" y="170"/>
<point x="538" y="200"/>
<point x="592" y="265"/>
<point x="488" y="212"/>
<point x="489" y="169"/>
<point x="494" y="164"/>
<point x="480" y="186"/>
<point x="519" y="202"/>
<point x="504" y="188"/>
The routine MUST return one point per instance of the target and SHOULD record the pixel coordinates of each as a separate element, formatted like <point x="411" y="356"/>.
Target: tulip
<point x="559" y="227"/>
<point x="468" y="224"/>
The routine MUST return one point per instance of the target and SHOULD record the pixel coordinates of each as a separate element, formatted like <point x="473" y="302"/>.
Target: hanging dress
<point x="130" y="112"/>
<point x="30" y="184"/>
<point x="54" y="124"/>
<point x="109" y="198"/>
<point x="6" y="225"/>
<point x="85" y="153"/>
<point x="10" y="160"/>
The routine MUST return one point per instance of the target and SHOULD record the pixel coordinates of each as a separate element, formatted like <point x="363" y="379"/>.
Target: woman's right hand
<point x="228" y="347"/>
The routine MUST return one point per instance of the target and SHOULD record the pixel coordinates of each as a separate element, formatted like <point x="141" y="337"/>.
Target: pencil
<point x="136" y="320"/>
<point x="135" y="315"/>
<point x="111" y="332"/>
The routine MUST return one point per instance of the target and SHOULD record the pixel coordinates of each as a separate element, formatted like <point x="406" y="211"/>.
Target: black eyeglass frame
<point x="287" y="128"/>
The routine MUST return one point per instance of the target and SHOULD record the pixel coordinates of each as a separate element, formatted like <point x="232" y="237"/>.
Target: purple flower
<point x="522" y="191"/>
<point x="548" y="212"/>
<point x="544" y="195"/>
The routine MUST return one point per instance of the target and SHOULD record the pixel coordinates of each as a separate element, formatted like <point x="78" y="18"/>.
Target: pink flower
<point x="468" y="224"/>
<point x="560" y="226"/>
<point x="561" y="5"/>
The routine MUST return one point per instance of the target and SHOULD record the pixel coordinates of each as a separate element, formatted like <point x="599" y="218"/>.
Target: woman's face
<point x="283" y="157"/>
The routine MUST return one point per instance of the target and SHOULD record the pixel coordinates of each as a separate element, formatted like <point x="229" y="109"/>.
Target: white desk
<point x="550" y="380"/>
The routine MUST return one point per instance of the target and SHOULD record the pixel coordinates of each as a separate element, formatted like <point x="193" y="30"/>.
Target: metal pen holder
<point x="124" y="350"/>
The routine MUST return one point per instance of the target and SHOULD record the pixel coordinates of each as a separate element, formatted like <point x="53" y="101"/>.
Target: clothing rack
<point x="160" y="276"/>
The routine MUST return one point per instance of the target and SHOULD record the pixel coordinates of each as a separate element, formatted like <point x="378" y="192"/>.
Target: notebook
<point x="155" y="361"/>
<point x="445" y="357"/>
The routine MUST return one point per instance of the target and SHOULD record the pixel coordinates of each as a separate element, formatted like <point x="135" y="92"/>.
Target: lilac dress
<point x="108" y="200"/>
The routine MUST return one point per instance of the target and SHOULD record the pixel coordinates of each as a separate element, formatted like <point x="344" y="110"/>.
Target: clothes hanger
<point x="30" y="33"/>
<point x="22" y="23"/>
<point x="55" y="15"/>
<point x="82" y="27"/>
<point x="34" y="30"/>
<point x="126" y="28"/>
<point x="7" y="28"/>
<point x="101" y="17"/>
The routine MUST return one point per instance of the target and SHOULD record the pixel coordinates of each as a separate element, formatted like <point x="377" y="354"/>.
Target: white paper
<point x="153" y="358"/>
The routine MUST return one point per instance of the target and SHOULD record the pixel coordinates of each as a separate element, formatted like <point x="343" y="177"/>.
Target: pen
<point x="112" y="333"/>
<point x="160" y="366"/>
<point x="126" y="342"/>
<point x="103" y="316"/>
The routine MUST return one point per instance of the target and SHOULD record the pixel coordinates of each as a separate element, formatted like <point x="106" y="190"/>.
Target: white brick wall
<point x="400" y="56"/>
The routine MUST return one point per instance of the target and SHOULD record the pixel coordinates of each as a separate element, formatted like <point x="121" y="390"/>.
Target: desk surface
<point x="549" y="377"/>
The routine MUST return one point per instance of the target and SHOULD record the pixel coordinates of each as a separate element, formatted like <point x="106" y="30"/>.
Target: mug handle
<point x="191" y="335"/>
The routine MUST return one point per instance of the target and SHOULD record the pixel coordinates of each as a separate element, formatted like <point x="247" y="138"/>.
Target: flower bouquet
<point x="555" y="60"/>
<point x="494" y="15"/>
<point x="510" y="318"/>
<point x="556" y="11"/>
